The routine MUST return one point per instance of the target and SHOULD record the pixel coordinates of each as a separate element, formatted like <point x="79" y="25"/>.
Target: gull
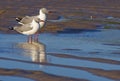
<point x="28" y="19"/>
<point x="28" y="29"/>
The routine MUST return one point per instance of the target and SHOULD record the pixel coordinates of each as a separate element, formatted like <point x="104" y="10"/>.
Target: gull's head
<point x="44" y="10"/>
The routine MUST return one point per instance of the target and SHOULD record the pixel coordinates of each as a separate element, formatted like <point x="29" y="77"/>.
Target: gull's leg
<point x="29" y="39"/>
<point x="36" y="37"/>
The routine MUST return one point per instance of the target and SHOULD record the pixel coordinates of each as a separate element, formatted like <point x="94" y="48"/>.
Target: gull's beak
<point x="51" y="11"/>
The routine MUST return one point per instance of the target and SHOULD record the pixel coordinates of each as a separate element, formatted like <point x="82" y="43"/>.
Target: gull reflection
<point x="35" y="50"/>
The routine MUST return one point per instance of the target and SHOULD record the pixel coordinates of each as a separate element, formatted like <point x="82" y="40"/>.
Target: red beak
<point x="49" y="12"/>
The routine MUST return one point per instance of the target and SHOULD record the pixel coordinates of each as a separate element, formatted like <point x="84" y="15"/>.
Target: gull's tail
<point x="18" y="19"/>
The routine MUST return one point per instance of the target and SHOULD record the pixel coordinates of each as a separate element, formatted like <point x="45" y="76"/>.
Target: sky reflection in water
<point x="82" y="45"/>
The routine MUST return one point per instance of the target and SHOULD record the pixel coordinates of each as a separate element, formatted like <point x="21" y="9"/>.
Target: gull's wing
<point x="23" y="28"/>
<point x="26" y="20"/>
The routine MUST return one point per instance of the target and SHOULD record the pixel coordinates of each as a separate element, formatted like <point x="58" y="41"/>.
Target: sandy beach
<point x="83" y="45"/>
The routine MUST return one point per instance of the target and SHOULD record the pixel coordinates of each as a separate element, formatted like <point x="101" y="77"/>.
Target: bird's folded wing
<point x="23" y="28"/>
<point x="27" y="19"/>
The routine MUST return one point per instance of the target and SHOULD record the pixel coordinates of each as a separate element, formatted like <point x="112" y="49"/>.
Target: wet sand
<point x="39" y="75"/>
<point x="80" y="12"/>
<point x="86" y="58"/>
<point x="36" y="75"/>
<point x="113" y="74"/>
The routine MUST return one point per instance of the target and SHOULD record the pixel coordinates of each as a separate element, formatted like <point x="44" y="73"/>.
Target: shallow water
<point x="105" y="44"/>
<point x="13" y="78"/>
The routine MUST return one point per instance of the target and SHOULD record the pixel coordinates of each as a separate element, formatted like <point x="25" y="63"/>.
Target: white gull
<point x="28" y="29"/>
<point x="28" y="19"/>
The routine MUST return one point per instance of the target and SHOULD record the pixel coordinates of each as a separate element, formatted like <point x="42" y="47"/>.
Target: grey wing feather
<point x="23" y="28"/>
<point x="27" y="19"/>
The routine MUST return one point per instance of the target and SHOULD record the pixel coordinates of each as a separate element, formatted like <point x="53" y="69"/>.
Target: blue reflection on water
<point x="14" y="64"/>
<point x="85" y="42"/>
<point x="84" y="63"/>
<point x="74" y="73"/>
<point x="13" y="78"/>
<point x="52" y="70"/>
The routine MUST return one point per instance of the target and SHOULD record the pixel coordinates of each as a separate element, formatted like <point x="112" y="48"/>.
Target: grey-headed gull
<point x="28" y="19"/>
<point x="28" y="29"/>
